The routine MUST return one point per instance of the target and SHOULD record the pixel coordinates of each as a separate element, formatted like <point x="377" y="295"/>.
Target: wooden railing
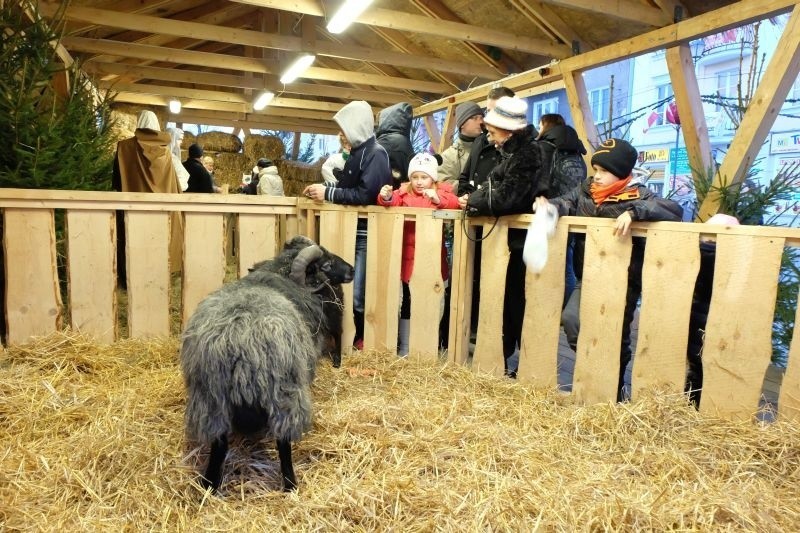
<point x="737" y="338"/>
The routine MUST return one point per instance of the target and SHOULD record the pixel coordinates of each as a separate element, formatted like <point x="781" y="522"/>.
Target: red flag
<point x="672" y="114"/>
<point x="651" y="119"/>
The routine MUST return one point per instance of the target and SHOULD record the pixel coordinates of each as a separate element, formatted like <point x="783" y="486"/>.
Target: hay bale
<point x="217" y="141"/>
<point x="228" y="169"/>
<point x="297" y="175"/>
<point x="93" y="439"/>
<point x="188" y="140"/>
<point x="258" y="146"/>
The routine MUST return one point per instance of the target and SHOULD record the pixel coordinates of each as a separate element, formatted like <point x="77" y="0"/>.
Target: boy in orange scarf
<point x="612" y="193"/>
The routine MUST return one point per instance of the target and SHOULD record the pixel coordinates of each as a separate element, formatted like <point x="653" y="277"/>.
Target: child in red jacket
<point x="422" y="190"/>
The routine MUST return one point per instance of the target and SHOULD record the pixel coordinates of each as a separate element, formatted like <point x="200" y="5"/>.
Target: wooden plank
<point x="488" y="356"/>
<point x="147" y="248"/>
<point x="683" y="76"/>
<point x="544" y="292"/>
<point x="448" y="129"/>
<point x="337" y="233"/>
<point x="433" y="130"/>
<point x="427" y="288"/>
<point x="789" y="398"/>
<point x="672" y="261"/>
<point x="738" y="341"/>
<point x="92" y="280"/>
<point x="605" y="282"/>
<point x="382" y="302"/>
<point x="461" y="292"/>
<point x="581" y="112"/>
<point x="203" y="259"/>
<point x="761" y="113"/>
<point x="256" y="237"/>
<point x="33" y="299"/>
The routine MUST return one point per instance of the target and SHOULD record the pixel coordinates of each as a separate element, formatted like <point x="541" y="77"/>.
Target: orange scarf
<point x="601" y="194"/>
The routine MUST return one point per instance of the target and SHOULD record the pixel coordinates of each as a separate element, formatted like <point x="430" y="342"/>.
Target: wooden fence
<point x="737" y="339"/>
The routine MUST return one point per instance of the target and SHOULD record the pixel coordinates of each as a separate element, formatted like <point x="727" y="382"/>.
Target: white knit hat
<point x="426" y="163"/>
<point x="509" y="114"/>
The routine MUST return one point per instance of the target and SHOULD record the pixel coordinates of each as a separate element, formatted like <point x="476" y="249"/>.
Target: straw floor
<point x="92" y="439"/>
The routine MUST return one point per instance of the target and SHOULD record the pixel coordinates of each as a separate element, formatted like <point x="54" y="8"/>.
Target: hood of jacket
<point x="396" y="119"/>
<point x="564" y="138"/>
<point x="268" y="170"/>
<point x="355" y="121"/>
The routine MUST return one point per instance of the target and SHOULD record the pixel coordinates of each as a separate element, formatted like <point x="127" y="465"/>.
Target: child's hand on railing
<point x="431" y="193"/>
<point x="386" y="192"/>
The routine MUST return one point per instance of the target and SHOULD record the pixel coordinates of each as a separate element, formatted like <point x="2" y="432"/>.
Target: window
<point x="599" y="99"/>
<point x="543" y="107"/>
<point x="664" y="92"/>
<point x="726" y="87"/>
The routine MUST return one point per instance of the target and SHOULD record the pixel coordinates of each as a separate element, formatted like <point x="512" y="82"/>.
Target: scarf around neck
<point x="600" y="194"/>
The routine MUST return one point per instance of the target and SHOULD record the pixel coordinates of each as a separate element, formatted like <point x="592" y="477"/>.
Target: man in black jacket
<point x="200" y="179"/>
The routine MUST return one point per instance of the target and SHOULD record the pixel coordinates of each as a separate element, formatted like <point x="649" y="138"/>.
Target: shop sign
<point x="785" y="141"/>
<point x="659" y="155"/>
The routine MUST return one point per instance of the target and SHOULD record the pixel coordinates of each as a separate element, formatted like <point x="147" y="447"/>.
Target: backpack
<point x="567" y="170"/>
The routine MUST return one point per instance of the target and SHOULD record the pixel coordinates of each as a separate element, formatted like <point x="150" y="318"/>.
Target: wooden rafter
<point x="550" y="23"/>
<point x="628" y="10"/>
<point x="403" y="21"/>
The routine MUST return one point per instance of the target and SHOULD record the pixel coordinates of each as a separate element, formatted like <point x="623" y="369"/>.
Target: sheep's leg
<point x="216" y="460"/>
<point x="336" y="354"/>
<point x="287" y="470"/>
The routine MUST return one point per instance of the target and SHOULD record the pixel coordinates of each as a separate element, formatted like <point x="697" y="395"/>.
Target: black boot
<point x="358" y="319"/>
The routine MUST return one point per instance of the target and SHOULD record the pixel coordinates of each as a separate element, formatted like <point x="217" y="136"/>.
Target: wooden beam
<point x="550" y="23"/>
<point x="449" y="128"/>
<point x="222" y="61"/>
<point x="581" y="111"/>
<point x="690" y="110"/>
<point x="739" y="14"/>
<point x="211" y="32"/>
<point x="219" y="96"/>
<point x="401" y="20"/>
<point x="228" y="80"/>
<point x="433" y="130"/>
<point x="248" y="121"/>
<point x="766" y="102"/>
<point x="628" y="10"/>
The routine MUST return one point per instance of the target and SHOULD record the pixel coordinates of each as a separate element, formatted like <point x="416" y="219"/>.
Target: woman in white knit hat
<point x="508" y="190"/>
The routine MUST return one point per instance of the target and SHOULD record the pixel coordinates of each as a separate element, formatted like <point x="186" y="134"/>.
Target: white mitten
<point x="541" y="228"/>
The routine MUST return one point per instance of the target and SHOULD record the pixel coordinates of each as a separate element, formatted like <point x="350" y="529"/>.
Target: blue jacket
<point x="365" y="172"/>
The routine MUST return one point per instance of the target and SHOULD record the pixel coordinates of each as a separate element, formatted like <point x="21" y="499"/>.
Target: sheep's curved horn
<point x="301" y="262"/>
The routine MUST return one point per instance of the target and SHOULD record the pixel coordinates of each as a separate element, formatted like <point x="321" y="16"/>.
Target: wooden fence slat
<point x="337" y="233"/>
<point x="538" y="355"/>
<point x="603" y="290"/>
<point x="738" y="340"/>
<point x="488" y="356"/>
<point x="203" y="259"/>
<point x="33" y="299"/>
<point x="92" y="277"/>
<point x="257" y="240"/>
<point x="384" y="248"/>
<point x="147" y="255"/>
<point x="427" y="288"/>
<point x="789" y="398"/>
<point x="672" y="261"/>
<point x="461" y="293"/>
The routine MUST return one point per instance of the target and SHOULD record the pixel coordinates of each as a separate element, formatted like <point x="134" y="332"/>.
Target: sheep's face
<point x="333" y="268"/>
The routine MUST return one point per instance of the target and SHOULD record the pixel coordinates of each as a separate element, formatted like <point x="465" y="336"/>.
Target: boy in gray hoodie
<point x="365" y="172"/>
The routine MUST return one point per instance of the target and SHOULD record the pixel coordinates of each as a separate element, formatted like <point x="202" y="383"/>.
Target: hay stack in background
<point x="297" y="175"/>
<point x="269" y="146"/>
<point x="217" y="141"/>
<point x="125" y="117"/>
<point x="188" y="140"/>
<point x="93" y="439"/>
<point x="228" y="169"/>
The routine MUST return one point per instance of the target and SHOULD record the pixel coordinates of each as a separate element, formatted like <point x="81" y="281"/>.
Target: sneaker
<point x="358" y="344"/>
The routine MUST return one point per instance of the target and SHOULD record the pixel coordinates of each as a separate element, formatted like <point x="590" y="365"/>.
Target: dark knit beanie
<point x="465" y="110"/>
<point x="617" y="156"/>
<point x="264" y="163"/>
<point x="195" y="151"/>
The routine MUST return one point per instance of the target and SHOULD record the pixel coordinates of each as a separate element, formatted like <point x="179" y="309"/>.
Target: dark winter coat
<point x="483" y="157"/>
<point x="363" y="175"/>
<point x="200" y="179"/>
<point x="514" y="183"/>
<point x="564" y="139"/>
<point x="701" y="302"/>
<point x="394" y="134"/>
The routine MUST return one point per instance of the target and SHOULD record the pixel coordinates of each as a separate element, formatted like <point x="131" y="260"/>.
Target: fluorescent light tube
<point x="350" y="11"/>
<point x="298" y="67"/>
<point x="262" y="100"/>
<point x="174" y="106"/>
